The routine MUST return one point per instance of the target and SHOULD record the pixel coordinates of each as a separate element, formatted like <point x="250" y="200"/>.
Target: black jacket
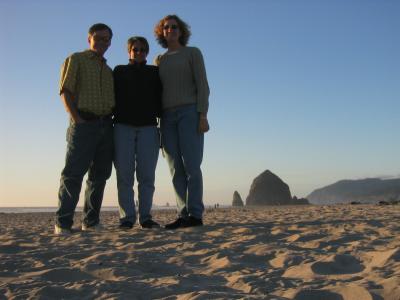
<point x="137" y="94"/>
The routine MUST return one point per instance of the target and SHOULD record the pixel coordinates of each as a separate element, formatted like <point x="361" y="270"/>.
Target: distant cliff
<point x="370" y="190"/>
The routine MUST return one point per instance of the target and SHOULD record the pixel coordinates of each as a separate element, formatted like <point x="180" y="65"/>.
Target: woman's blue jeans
<point x="136" y="149"/>
<point x="183" y="146"/>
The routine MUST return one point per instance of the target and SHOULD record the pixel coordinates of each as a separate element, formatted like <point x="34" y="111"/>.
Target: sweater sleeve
<point x="200" y="79"/>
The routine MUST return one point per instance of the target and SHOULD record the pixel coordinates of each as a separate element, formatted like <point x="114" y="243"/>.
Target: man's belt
<point x="88" y="116"/>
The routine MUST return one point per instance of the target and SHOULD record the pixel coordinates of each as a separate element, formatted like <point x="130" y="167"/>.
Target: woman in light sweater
<point x="184" y="119"/>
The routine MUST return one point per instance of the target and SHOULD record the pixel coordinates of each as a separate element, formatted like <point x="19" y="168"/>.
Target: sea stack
<point x="268" y="189"/>
<point x="237" y="200"/>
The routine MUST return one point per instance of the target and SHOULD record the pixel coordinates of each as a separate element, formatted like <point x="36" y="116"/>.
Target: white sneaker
<point x="97" y="227"/>
<point x="61" y="231"/>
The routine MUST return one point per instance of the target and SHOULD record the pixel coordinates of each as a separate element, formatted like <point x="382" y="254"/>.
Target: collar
<point x="134" y="63"/>
<point x="94" y="55"/>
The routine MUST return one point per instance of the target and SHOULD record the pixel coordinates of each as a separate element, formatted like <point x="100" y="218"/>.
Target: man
<point x="87" y="91"/>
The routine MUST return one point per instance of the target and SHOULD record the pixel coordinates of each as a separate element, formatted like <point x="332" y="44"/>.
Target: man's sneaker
<point x="97" y="227"/>
<point x="178" y="223"/>
<point x="61" y="231"/>
<point x="192" y="222"/>
<point x="126" y="225"/>
<point x="150" y="224"/>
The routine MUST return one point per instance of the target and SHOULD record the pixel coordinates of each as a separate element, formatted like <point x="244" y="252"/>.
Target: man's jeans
<point x="183" y="147"/>
<point x="90" y="148"/>
<point x="136" y="149"/>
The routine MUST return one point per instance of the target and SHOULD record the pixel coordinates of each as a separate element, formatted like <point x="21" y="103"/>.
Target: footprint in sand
<point x="317" y="295"/>
<point x="286" y="260"/>
<point x="215" y="263"/>
<point x="54" y="291"/>
<point x="338" y="264"/>
<point x="61" y="275"/>
<point x="378" y="259"/>
<point x="396" y="255"/>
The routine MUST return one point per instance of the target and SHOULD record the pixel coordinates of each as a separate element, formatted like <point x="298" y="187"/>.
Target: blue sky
<point x="307" y="89"/>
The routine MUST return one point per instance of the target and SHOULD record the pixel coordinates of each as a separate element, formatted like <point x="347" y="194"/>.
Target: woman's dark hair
<point x="98" y="27"/>
<point x="140" y="39"/>
<point x="184" y="29"/>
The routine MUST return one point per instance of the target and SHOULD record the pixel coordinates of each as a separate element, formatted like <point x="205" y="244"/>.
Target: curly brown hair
<point x="184" y="29"/>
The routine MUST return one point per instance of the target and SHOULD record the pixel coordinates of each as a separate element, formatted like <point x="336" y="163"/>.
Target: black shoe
<point x="176" y="224"/>
<point x="150" y="224"/>
<point x="192" y="221"/>
<point x="126" y="225"/>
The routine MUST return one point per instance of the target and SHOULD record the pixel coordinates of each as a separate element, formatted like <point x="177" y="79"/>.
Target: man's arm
<point x="69" y="104"/>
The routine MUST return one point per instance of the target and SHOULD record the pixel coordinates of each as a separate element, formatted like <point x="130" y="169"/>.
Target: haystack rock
<point x="269" y="189"/>
<point x="237" y="200"/>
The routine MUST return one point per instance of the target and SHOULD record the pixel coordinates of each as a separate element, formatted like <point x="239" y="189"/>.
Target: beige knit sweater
<point x="184" y="79"/>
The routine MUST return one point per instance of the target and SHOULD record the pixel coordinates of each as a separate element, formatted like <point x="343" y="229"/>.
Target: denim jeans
<point x="136" y="149"/>
<point x="89" y="149"/>
<point x="183" y="147"/>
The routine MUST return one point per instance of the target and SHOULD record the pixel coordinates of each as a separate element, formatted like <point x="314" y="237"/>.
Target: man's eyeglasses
<point x="101" y="38"/>
<point x="173" y="27"/>
<point x="137" y="50"/>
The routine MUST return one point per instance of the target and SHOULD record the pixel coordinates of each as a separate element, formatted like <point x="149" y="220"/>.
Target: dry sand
<point x="307" y="252"/>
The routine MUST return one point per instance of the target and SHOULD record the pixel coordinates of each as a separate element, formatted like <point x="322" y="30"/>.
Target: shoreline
<point x="53" y="209"/>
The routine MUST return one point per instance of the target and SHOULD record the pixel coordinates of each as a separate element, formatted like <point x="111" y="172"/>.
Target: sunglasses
<point x="136" y="50"/>
<point x="173" y="27"/>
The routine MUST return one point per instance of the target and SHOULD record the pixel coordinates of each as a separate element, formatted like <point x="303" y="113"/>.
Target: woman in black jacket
<point x="138" y="104"/>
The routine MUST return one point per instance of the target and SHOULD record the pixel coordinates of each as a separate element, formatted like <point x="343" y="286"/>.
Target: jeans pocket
<point x="69" y="132"/>
<point x="78" y="131"/>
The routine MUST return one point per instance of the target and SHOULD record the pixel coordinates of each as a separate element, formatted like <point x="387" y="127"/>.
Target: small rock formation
<point x="237" y="200"/>
<point x="299" y="201"/>
<point x="355" y="202"/>
<point x="269" y="189"/>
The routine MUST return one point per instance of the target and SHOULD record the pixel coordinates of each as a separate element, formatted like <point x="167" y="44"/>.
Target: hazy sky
<point x="307" y="89"/>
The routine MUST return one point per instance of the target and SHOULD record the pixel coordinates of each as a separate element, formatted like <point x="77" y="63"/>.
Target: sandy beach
<point x="306" y="252"/>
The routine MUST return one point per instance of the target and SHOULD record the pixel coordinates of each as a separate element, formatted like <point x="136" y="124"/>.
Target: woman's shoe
<point x="192" y="221"/>
<point x="150" y="224"/>
<point x="176" y="224"/>
<point x="126" y="225"/>
<point x="183" y="223"/>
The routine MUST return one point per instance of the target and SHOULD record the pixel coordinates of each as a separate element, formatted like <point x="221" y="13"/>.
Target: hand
<point x="203" y="125"/>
